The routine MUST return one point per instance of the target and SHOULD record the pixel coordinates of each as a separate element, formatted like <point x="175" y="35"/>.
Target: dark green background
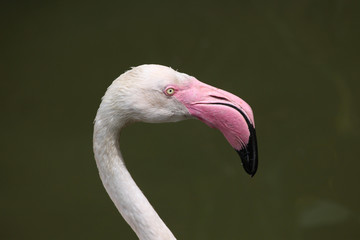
<point x="296" y="63"/>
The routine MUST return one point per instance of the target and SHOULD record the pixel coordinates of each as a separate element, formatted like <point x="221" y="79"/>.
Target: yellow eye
<point x="170" y="91"/>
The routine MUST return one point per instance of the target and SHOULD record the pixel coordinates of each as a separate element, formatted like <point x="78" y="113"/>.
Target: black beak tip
<point x="249" y="154"/>
<point x="249" y="160"/>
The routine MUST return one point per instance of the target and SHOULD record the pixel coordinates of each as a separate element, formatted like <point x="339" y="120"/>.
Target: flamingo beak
<point x="229" y="114"/>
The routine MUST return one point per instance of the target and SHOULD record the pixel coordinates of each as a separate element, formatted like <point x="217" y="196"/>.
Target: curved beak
<point x="228" y="113"/>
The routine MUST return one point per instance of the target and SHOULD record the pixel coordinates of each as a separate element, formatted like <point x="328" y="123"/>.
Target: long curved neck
<point x="123" y="191"/>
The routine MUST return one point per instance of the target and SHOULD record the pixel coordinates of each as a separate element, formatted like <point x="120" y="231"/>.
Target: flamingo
<point x="154" y="94"/>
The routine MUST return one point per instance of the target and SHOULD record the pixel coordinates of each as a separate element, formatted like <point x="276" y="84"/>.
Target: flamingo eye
<point x="170" y="91"/>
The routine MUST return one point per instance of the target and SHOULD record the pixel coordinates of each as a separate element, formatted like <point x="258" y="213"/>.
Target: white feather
<point x="136" y="95"/>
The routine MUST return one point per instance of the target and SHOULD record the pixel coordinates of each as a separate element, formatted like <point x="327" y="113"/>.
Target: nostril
<point x="220" y="98"/>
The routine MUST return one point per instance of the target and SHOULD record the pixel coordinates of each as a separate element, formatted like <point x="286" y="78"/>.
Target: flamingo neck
<point x="122" y="189"/>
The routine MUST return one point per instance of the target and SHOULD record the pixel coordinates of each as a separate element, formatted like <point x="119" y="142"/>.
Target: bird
<point x="154" y="93"/>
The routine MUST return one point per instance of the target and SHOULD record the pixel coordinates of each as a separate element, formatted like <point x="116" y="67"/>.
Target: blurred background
<point x="296" y="63"/>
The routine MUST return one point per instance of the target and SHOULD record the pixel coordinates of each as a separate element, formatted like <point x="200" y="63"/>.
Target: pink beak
<point x="226" y="112"/>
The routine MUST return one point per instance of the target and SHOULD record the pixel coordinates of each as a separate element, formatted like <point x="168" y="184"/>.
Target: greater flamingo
<point x="155" y="93"/>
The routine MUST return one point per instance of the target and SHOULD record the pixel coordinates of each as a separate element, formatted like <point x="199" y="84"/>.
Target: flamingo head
<point x="155" y="93"/>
